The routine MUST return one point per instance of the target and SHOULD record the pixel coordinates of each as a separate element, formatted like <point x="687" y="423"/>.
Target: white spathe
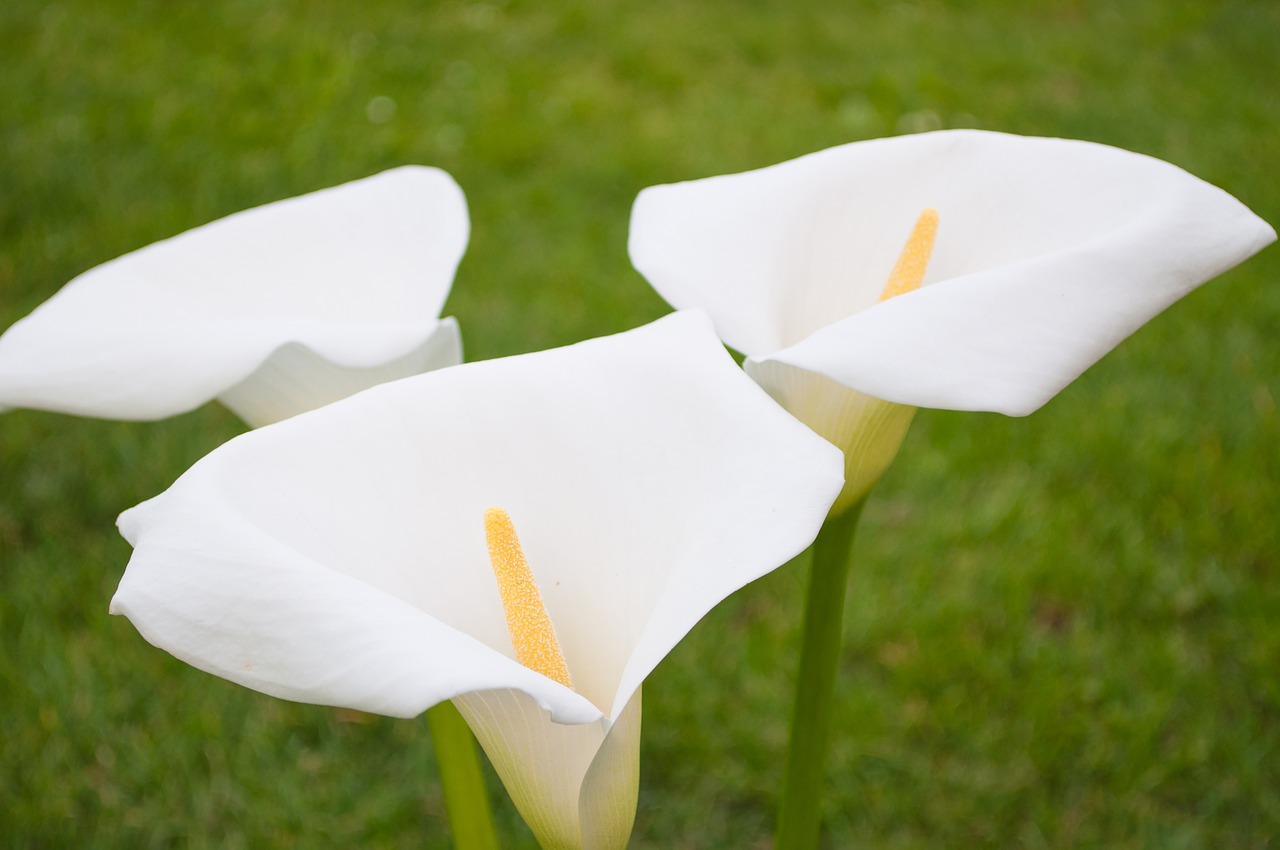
<point x="1049" y="253"/>
<point x="273" y="310"/>
<point x="339" y="557"/>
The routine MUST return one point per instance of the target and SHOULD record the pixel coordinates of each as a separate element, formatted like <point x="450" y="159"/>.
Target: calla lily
<point x="1046" y="253"/>
<point x="528" y="537"/>
<point x="273" y="311"/>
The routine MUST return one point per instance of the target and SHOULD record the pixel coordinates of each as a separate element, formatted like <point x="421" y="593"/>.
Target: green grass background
<point x="1063" y="631"/>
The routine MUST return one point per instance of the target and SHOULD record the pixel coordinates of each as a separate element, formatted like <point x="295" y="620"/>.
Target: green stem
<point x="465" y="797"/>
<point x="800" y="809"/>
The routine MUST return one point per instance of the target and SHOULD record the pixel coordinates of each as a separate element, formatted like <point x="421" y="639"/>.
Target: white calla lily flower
<point x="272" y="311"/>
<point x="1034" y="258"/>
<point x="528" y="537"/>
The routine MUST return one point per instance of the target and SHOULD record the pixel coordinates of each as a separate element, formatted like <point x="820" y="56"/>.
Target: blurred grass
<point x="1063" y="629"/>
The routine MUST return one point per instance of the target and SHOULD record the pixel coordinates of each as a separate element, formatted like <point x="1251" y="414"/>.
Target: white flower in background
<point x="272" y="311"/>
<point x="527" y="536"/>
<point x="1030" y="259"/>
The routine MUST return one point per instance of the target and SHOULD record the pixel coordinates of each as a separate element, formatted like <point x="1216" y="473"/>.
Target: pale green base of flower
<point x="868" y="430"/>
<point x="575" y="786"/>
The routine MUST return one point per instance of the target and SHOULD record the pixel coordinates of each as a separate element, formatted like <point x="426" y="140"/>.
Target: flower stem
<point x="800" y="809"/>
<point x="465" y="797"/>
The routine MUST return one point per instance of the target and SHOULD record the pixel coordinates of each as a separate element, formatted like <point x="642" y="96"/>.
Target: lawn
<point x="1062" y="630"/>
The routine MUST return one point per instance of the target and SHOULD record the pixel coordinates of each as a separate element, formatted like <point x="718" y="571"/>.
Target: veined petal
<point x="575" y="786"/>
<point x="355" y="275"/>
<point x="1049" y="253"/>
<point x="607" y="801"/>
<point x="647" y="475"/>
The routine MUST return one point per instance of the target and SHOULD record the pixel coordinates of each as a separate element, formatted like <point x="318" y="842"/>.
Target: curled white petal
<point x="294" y="378"/>
<point x="339" y="556"/>
<point x="225" y="596"/>
<point x="1049" y="253"/>
<point x="334" y="289"/>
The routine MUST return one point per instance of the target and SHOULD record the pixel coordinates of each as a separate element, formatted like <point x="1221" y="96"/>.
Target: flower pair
<point x="432" y="538"/>
<point x="347" y="556"/>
